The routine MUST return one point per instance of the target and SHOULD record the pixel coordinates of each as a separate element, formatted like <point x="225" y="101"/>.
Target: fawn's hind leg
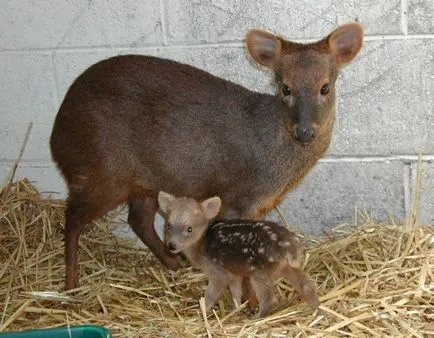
<point x="141" y="219"/>
<point x="305" y="287"/>
<point x="263" y="286"/>
<point x="236" y="288"/>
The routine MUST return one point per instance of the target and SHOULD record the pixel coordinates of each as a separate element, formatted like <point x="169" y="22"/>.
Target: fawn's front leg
<point x="218" y="281"/>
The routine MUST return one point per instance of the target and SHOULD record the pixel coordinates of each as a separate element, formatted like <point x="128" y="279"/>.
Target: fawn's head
<point x="187" y="219"/>
<point x="306" y="75"/>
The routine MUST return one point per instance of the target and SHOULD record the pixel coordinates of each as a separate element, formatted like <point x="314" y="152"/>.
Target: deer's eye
<point x="189" y="229"/>
<point x="285" y="90"/>
<point x="325" y="89"/>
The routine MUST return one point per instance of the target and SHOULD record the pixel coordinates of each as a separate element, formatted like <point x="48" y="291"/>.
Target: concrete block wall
<point x="385" y="98"/>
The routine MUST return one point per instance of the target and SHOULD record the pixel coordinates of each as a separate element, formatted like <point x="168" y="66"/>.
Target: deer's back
<point x="160" y="125"/>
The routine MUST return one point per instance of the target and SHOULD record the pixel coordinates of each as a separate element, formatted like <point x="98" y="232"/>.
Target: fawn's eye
<point x="285" y="90"/>
<point x="189" y="229"/>
<point x="325" y="89"/>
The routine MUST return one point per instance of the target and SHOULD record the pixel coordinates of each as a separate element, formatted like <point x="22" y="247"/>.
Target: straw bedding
<point x="373" y="280"/>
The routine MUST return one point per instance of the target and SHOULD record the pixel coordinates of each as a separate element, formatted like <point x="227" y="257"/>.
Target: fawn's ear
<point x="264" y="47"/>
<point x="164" y="200"/>
<point x="211" y="207"/>
<point x="345" y="42"/>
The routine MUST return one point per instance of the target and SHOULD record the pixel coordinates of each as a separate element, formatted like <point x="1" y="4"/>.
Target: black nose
<point x="305" y="134"/>
<point x="171" y="246"/>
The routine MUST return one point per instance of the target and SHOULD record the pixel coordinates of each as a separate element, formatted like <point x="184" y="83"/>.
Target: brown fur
<point x="133" y="125"/>
<point x="228" y="250"/>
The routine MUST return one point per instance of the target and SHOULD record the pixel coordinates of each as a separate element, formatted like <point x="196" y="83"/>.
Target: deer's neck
<point x="291" y="160"/>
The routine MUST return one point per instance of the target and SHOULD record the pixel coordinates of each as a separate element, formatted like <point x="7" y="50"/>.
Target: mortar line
<point x="379" y="158"/>
<point x="404" y="17"/>
<point x="195" y="44"/>
<point x="163" y="22"/>
<point x="407" y="188"/>
<point x="330" y="159"/>
<point x="399" y="37"/>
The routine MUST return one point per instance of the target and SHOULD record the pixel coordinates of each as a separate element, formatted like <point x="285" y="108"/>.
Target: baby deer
<point x="228" y="250"/>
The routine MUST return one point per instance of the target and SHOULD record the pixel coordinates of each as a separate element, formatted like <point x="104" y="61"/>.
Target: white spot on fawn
<point x="293" y="262"/>
<point x="273" y="236"/>
<point x="271" y="259"/>
<point x="224" y="225"/>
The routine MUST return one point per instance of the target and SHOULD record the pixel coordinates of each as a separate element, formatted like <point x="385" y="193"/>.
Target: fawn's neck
<point x="195" y="253"/>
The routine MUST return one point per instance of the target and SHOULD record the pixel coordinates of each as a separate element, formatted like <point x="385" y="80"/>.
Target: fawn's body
<point x="130" y="126"/>
<point x="228" y="250"/>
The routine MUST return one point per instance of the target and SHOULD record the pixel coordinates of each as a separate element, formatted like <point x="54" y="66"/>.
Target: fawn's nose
<point x="171" y="246"/>
<point x="305" y="134"/>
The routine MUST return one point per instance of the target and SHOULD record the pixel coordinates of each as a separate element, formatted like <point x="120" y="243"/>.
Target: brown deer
<point x="228" y="250"/>
<point x="131" y="126"/>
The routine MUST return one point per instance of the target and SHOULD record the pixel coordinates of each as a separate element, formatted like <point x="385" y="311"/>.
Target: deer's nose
<point x="305" y="134"/>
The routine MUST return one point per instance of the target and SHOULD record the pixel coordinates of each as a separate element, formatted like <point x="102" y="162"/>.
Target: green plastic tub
<point x="86" y="331"/>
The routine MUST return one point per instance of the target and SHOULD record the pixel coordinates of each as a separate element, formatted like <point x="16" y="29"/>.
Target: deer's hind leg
<point x="83" y="207"/>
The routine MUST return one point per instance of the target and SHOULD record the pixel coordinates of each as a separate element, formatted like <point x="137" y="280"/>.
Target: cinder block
<point x="43" y="175"/>
<point x="330" y="194"/>
<point x="12" y="137"/>
<point x="79" y="23"/>
<point x="426" y="203"/>
<point x="420" y="16"/>
<point x="27" y="87"/>
<point x="386" y="100"/>
<point x="27" y="95"/>
<point x="229" y="20"/>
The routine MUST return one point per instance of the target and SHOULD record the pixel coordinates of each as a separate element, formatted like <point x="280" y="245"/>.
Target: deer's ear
<point x="264" y="47"/>
<point x="211" y="207"/>
<point x="164" y="200"/>
<point x="345" y="42"/>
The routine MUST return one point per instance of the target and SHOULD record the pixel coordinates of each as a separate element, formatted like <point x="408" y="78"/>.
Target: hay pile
<point x="376" y="280"/>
